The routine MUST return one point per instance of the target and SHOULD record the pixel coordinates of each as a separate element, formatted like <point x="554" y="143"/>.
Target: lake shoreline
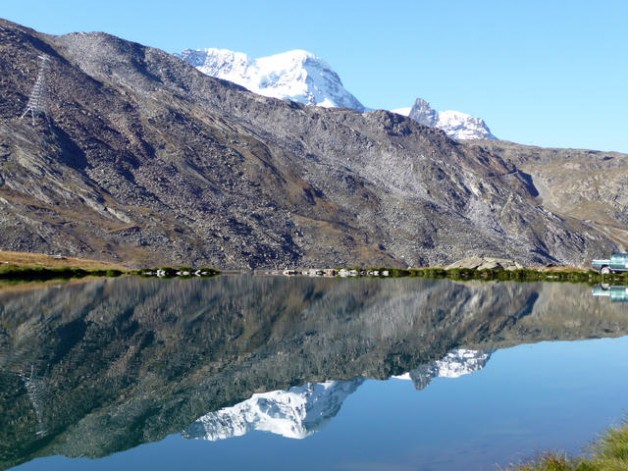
<point x="22" y="266"/>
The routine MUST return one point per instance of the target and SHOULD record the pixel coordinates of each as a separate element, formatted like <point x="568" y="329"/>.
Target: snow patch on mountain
<point x="295" y="413"/>
<point x="294" y="75"/>
<point x="455" y="123"/>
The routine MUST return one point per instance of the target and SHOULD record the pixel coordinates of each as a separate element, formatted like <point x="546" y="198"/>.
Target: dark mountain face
<point x="144" y="159"/>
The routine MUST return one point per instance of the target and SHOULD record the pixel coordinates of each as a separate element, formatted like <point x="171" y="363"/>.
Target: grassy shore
<point x="32" y="266"/>
<point x="565" y="274"/>
<point x="610" y="453"/>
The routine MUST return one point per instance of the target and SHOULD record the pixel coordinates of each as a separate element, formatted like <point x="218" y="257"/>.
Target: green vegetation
<point x="525" y="274"/>
<point x="12" y="272"/>
<point x="609" y="454"/>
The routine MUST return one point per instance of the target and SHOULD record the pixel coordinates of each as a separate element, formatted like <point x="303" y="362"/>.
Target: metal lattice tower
<point x="39" y="97"/>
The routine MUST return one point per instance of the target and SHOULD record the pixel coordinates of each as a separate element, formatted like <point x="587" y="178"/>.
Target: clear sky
<point x="543" y="72"/>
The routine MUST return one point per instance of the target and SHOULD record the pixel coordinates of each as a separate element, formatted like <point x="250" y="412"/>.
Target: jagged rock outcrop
<point x="455" y="123"/>
<point x="148" y="161"/>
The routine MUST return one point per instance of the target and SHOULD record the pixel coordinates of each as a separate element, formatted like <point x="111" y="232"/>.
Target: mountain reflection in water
<point x="93" y="368"/>
<point x="303" y="410"/>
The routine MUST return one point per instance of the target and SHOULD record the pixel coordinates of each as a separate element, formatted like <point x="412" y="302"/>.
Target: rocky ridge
<point x="302" y="77"/>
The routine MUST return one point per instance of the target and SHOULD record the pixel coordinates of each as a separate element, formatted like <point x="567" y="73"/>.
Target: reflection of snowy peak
<point x="455" y="364"/>
<point x="455" y="124"/>
<point x="295" y="413"/>
<point x="294" y="75"/>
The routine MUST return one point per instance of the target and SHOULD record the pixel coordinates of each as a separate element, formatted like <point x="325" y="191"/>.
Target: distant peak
<point x="455" y="123"/>
<point x="423" y="113"/>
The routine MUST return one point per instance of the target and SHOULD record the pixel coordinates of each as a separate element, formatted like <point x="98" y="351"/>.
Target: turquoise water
<point x="121" y="371"/>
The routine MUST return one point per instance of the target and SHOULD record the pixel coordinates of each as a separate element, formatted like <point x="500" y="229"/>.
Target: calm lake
<point x="274" y="373"/>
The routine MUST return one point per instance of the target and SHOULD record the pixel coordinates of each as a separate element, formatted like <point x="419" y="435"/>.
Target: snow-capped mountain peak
<point x="455" y="123"/>
<point x="294" y="75"/>
<point x="302" y="77"/>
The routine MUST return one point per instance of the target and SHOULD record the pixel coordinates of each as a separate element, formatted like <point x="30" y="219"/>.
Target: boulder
<point x="485" y="263"/>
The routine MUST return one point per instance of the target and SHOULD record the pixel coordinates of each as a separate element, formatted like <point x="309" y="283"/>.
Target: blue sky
<point x="543" y="72"/>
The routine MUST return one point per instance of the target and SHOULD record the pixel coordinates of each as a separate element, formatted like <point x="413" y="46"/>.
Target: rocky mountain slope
<point x="142" y="158"/>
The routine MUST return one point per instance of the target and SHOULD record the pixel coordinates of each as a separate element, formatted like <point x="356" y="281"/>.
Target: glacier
<point x="294" y="75"/>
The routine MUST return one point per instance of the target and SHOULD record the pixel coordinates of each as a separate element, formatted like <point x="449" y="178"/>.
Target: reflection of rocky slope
<point x="97" y="367"/>
<point x="296" y="413"/>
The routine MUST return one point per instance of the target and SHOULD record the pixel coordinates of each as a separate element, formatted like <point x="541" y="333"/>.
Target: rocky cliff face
<point x="141" y="157"/>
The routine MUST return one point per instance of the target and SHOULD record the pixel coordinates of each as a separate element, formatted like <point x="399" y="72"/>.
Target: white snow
<point x="402" y="111"/>
<point x="463" y="126"/>
<point x="294" y="75"/>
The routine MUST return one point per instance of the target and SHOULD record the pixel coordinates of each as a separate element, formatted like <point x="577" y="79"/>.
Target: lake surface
<point x="243" y="372"/>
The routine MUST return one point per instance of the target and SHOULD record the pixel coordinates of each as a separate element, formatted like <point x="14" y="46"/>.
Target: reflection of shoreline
<point x="304" y="410"/>
<point x="616" y="293"/>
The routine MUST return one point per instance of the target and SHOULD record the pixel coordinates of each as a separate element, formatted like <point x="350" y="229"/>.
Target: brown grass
<point x="38" y="260"/>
